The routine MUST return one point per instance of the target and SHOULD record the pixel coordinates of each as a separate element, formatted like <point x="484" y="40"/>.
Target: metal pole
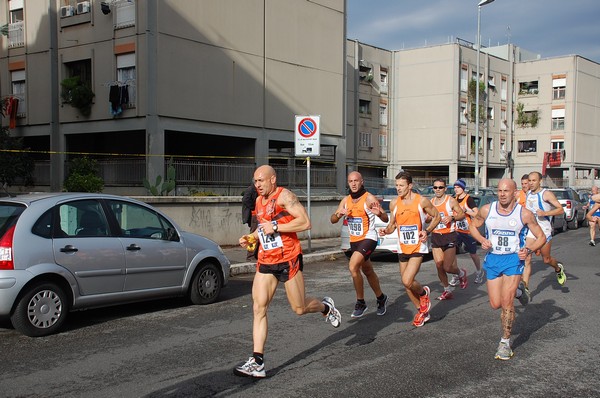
<point x="308" y="198"/>
<point x="477" y="103"/>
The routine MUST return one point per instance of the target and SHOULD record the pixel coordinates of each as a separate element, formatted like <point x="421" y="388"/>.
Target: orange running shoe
<point x="420" y="319"/>
<point x="425" y="303"/>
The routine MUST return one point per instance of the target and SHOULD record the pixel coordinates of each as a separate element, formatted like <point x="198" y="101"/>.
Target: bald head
<point x="265" y="180"/>
<point x="509" y="182"/>
<point x="355" y="181"/>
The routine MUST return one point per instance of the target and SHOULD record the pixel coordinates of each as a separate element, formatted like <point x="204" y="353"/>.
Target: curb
<point x="249" y="268"/>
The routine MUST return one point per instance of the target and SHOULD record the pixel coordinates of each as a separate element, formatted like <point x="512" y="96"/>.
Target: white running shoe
<point x="333" y="316"/>
<point x="250" y="369"/>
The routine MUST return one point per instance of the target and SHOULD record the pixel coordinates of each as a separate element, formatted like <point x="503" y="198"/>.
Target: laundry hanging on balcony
<point x="551" y="159"/>
<point x="12" y="106"/>
<point x="118" y="97"/>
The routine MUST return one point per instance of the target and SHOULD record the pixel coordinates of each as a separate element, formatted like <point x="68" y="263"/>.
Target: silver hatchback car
<point x="68" y="251"/>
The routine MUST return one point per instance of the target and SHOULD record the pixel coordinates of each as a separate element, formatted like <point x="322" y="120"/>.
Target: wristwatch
<point x="529" y="251"/>
<point x="275" y="227"/>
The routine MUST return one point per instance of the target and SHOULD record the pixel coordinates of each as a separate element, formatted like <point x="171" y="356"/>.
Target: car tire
<point x="573" y="224"/>
<point x="41" y="310"/>
<point x="206" y="284"/>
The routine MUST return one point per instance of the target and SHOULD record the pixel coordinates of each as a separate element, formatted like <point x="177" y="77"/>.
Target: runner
<point x="443" y="239"/>
<point x="280" y="216"/>
<point x="360" y="209"/>
<point x="595" y="217"/>
<point x="522" y="198"/>
<point x="409" y="210"/>
<point x="544" y="205"/>
<point x="506" y="223"/>
<point x="467" y="203"/>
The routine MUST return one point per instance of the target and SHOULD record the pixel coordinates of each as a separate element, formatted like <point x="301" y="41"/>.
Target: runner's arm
<point x="590" y="214"/>
<point x="551" y="198"/>
<point x="289" y="201"/>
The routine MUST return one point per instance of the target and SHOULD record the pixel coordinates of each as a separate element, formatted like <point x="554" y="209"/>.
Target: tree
<point x="16" y="164"/>
<point x="83" y="176"/>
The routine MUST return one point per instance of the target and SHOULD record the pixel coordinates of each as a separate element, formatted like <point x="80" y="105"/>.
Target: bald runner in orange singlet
<point x="280" y="216"/>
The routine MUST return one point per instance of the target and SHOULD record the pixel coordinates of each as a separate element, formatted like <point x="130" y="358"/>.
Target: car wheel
<point x="206" y="284"/>
<point x="41" y="310"/>
<point x="564" y="226"/>
<point x="573" y="224"/>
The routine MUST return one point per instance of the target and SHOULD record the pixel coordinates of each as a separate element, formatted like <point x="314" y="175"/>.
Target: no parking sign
<point x="308" y="136"/>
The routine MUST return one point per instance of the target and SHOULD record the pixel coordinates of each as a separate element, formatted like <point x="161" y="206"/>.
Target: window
<point x="559" y="86"/>
<point x="139" y="222"/>
<point x="16" y="35"/>
<point x="81" y="69"/>
<point x="557" y="145"/>
<point x="124" y="14"/>
<point x="558" y="119"/>
<point x="491" y="82"/>
<point x="503" y="89"/>
<point x="383" y="80"/>
<point x="383" y="115"/>
<point x="126" y="74"/>
<point x="383" y="146"/>
<point x="462" y="146"/>
<point x="365" y="140"/>
<point x="502" y="150"/>
<point x="463" y="113"/>
<point x="490" y="144"/>
<point x="84" y="218"/>
<point x="464" y="84"/>
<point x="503" y="119"/>
<point x="490" y="113"/>
<point x="18" y="89"/>
<point x="474" y="76"/>
<point x="364" y="107"/>
<point x="527" y="146"/>
<point x="528" y="88"/>
<point x="473" y="145"/>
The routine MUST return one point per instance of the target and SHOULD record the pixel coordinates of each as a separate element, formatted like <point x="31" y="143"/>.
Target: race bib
<point x="408" y="235"/>
<point x="441" y="225"/>
<point x="463" y="225"/>
<point x="355" y="226"/>
<point x="504" y="241"/>
<point x="270" y="242"/>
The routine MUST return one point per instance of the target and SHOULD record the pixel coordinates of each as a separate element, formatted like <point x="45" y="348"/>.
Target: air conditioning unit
<point x="67" y="11"/>
<point x="83" y="7"/>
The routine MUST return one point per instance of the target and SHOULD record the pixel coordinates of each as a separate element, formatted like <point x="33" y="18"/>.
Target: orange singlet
<point x="361" y="222"/>
<point x="279" y="247"/>
<point x="409" y="222"/>
<point x="445" y="210"/>
<point x="522" y="198"/>
<point x="462" y="226"/>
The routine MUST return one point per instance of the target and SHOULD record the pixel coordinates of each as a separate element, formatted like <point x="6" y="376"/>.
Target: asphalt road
<point x="168" y="348"/>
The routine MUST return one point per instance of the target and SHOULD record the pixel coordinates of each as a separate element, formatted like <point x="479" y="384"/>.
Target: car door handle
<point x="133" y="247"/>
<point x="69" y="249"/>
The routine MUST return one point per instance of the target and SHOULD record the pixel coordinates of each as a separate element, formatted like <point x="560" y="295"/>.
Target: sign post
<point x="308" y="143"/>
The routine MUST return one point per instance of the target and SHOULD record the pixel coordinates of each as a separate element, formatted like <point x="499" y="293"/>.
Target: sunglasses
<point x="438" y="187"/>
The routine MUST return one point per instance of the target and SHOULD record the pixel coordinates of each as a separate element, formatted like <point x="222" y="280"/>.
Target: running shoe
<point x="425" y="303"/>
<point x="525" y="296"/>
<point x="592" y="243"/>
<point x="250" y="369"/>
<point x="333" y="316"/>
<point x="447" y="295"/>
<point x="420" y="319"/>
<point x="479" y="276"/>
<point x="561" y="277"/>
<point x="455" y="280"/>
<point x="359" y="309"/>
<point x="504" y="352"/>
<point x="464" y="280"/>
<point x="382" y="305"/>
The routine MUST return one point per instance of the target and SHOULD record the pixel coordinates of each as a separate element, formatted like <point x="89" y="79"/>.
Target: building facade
<point x="212" y="87"/>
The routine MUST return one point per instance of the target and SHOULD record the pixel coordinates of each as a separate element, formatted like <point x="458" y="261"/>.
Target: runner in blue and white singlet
<point x="506" y="225"/>
<point x="535" y="202"/>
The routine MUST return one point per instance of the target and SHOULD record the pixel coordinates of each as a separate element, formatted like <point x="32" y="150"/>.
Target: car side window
<point x="82" y="218"/>
<point x="138" y="221"/>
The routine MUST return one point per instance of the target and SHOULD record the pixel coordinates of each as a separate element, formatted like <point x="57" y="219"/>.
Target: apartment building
<point x="557" y="119"/>
<point x="368" y="113"/>
<point x="211" y="86"/>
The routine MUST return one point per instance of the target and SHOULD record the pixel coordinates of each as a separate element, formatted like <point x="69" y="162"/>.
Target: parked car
<point x="573" y="205"/>
<point x="70" y="251"/>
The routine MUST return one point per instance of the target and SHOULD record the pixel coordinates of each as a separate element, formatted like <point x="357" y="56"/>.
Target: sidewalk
<point x="320" y="249"/>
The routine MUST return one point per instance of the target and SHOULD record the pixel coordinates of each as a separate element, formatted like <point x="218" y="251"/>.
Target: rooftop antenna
<point x="508" y="34"/>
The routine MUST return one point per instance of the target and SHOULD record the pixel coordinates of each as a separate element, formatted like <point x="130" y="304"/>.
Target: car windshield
<point x="9" y="214"/>
<point x="561" y="194"/>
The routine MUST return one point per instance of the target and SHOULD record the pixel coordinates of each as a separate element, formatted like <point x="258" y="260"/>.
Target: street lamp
<point x="481" y="4"/>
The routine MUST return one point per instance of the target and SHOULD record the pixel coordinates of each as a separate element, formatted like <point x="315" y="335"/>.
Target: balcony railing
<point x="16" y="35"/>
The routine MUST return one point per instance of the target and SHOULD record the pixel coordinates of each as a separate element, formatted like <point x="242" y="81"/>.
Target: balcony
<point x="16" y="34"/>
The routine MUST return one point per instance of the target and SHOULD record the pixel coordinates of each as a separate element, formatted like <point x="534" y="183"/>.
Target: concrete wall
<point x="220" y="217"/>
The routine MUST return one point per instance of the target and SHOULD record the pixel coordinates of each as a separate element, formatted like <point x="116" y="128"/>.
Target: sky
<point x="547" y="27"/>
